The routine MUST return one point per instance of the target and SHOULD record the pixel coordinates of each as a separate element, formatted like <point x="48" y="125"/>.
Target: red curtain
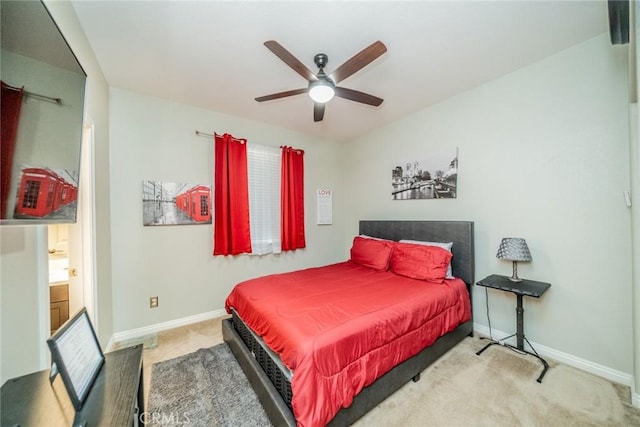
<point x="10" y="111"/>
<point x="231" y="233"/>
<point x="292" y="199"/>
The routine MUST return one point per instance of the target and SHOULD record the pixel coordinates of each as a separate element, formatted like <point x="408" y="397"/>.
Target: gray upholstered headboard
<point x="458" y="232"/>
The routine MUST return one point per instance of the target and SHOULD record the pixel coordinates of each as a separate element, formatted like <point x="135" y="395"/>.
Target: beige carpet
<point x="499" y="388"/>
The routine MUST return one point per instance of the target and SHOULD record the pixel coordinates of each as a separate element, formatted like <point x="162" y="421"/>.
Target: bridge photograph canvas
<point x="432" y="176"/>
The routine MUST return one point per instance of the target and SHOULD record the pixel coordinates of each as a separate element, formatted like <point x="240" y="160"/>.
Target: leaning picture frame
<point x="76" y="355"/>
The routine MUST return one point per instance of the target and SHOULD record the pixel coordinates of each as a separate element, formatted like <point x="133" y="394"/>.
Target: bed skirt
<point x="264" y="359"/>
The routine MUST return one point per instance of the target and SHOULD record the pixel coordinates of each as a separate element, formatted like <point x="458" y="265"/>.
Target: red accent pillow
<point x="420" y="261"/>
<point x="372" y="253"/>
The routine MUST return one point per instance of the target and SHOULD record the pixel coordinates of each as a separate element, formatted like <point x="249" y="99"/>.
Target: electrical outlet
<point x="153" y="302"/>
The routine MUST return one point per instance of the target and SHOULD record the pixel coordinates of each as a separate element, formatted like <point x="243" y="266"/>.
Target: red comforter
<point x="340" y="327"/>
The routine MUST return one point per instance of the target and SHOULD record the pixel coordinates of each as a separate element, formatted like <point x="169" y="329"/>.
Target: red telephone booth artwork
<point x="170" y="203"/>
<point x="196" y="202"/>
<point x="42" y="192"/>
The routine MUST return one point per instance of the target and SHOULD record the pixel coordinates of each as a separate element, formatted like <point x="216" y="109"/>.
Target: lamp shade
<point x="514" y="249"/>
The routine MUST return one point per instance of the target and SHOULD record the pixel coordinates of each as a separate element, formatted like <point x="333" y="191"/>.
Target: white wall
<point x="153" y="139"/>
<point x="635" y="228"/>
<point x="634" y="153"/>
<point x="544" y="155"/>
<point x="23" y="249"/>
<point x="23" y="278"/>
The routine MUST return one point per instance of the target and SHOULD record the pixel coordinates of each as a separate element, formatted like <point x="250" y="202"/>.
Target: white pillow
<point x="446" y="246"/>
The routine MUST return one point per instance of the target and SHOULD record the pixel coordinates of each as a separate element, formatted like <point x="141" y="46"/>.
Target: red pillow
<point x="373" y="253"/>
<point x="420" y="261"/>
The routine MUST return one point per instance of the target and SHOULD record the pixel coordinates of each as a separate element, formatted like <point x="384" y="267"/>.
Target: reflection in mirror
<point x="42" y="111"/>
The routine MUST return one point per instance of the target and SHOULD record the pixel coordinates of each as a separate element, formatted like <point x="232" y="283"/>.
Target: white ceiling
<point x="210" y="54"/>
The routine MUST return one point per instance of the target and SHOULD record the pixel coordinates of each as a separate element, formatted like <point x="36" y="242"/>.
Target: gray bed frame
<point x="462" y="263"/>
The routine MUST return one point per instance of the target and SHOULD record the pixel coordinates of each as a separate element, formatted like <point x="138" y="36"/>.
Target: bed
<point x="267" y="369"/>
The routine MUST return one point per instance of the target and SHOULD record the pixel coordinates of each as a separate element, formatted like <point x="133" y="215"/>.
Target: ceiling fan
<point x="323" y="87"/>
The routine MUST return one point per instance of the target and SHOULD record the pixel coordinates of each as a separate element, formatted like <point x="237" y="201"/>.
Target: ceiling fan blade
<point x="290" y="60"/>
<point x="358" y="61"/>
<point x="281" y="95"/>
<point x="357" y="96"/>
<point x="318" y="112"/>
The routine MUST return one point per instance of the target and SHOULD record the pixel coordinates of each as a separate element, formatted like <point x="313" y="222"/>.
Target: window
<point x="263" y="164"/>
<point x="259" y="198"/>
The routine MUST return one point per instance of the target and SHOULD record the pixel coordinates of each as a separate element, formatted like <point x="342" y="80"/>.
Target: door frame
<point x="87" y="214"/>
<point x="86" y="218"/>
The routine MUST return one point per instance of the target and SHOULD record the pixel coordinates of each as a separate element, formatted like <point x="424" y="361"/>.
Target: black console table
<point x="116" y="397"/>
<point x="523" y="288"/>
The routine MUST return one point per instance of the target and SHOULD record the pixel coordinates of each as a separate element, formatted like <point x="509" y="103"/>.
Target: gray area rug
<point x="204" y="388"/>
<point x="497" y="388"/>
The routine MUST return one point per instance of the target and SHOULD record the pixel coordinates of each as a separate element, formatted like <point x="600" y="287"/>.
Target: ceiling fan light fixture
<point x="321" y="87"/>
<point x="321" y="91"/>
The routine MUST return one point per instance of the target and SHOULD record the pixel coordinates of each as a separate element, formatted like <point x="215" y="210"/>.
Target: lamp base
<point x="514" y="277"/>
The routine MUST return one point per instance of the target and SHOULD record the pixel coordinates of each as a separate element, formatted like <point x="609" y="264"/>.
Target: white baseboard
<point x="159" y="327"/>
<point x="568" y="359"/>
<point x="110" y="344"/>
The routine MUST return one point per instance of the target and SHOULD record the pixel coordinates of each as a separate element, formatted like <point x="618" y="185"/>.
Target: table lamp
<point x="514" y="249"/>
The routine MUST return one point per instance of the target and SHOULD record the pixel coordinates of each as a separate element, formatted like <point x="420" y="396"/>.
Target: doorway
<point x="64" y="296"/>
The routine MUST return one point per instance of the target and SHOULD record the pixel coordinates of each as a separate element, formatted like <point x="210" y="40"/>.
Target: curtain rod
<point x="209" y="135"/>
<point x="203" y="133"/>
<point x="297" y="151"/>
<point x="37" y="95"/>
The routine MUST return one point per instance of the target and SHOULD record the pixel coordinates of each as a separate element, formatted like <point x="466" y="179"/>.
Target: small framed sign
<point x="324" y="207"/>
<point x="76" y="355"/>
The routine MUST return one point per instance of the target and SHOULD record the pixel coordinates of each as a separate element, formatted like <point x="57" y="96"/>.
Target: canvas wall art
<point x="432" y="176"/>
<point x="170" y="203"/>
<point x="46" y="193"/>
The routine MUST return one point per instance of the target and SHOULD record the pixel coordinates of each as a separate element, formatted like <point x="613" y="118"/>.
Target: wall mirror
<point x="43" y="88"/>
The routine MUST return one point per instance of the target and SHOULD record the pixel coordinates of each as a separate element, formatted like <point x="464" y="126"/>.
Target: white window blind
<point x="263" y="164"/>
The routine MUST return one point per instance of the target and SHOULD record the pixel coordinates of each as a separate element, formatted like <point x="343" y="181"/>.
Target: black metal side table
<point x="523" y="288"/>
